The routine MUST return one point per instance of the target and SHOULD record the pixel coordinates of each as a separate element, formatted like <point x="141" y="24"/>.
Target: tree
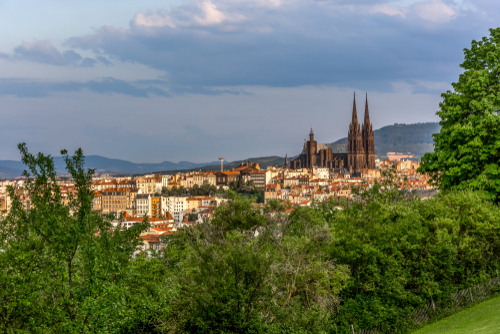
<point x="467" y="149"/>
<point x="234" y="280"/>
<point x="62" y="267"/>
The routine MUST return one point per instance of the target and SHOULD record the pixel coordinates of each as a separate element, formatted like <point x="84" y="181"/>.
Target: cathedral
<point x="356" y="155"/>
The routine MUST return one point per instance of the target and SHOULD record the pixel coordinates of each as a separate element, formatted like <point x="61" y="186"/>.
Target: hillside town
<point x="131" y="198"/>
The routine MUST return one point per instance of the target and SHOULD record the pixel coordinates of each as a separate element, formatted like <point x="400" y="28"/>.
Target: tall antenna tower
<point x="221" y="162"/>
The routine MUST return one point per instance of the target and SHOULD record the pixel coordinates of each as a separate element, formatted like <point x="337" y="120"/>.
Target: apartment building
<point x="143" y="205"/>
<point x="177" y="206"/>
<point x="113" y="201"/>
<point x="258" y="178"/>
<point x="192" y="204"/>
<point x="156" y="207"/>
<point x="225" y="178"/>
<point x="97" y="201"/>
<point x="146" y="184"/>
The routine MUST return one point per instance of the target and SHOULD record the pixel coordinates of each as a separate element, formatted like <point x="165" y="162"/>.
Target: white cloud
<point x="391" y="10"/>
<point x="211" y="14"/>
<point x="434" y="10"/>
<point x="431" y="10"/>
<point x="153" y="20"/>
<point x="205" y="13"/>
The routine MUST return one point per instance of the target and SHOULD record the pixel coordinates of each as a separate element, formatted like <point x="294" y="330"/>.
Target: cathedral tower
<point x="368" y="139"/>
<point x="356" y="156"/>
<point x="313" y="145"/>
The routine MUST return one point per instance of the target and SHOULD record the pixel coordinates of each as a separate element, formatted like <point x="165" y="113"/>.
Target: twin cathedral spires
<point x="358" y="154"/>
<point x="360" y="142"/>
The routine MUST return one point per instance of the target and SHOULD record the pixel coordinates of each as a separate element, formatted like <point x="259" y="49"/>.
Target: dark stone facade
<point x="356" y="155"/>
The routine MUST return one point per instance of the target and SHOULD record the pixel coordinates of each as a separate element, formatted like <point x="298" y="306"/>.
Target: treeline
<point x="249" y="270"/>
<point x="240" y="186"/>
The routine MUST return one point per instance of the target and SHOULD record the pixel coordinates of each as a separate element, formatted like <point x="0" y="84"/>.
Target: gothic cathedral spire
<point x="356" y="157"/>
<point x="354" y="112"/>
<point x="367" y="114"/>
<point x="368" y="139"/>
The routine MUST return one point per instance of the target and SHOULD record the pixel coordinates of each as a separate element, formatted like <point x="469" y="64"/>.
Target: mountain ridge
<point x="13" y="168"/>
<point x="415" y="138"/>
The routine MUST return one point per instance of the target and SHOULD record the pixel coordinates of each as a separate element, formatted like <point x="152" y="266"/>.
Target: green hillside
<point x="264" y="162"/>
<point x="414" y="138"/>
<point x="482" y="318"/>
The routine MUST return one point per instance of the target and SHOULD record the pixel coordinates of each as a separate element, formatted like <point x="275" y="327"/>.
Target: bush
<point x="404" y="253"/>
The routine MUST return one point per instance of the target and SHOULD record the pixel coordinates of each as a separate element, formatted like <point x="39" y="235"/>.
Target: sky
<point x="194" y="80"/>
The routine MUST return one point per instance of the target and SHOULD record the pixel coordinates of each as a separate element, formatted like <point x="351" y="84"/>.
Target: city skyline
<point x="191" y="80"/>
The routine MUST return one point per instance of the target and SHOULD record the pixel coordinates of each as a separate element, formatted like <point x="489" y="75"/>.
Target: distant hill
<point x="414" y="138"/>
<point x="12" y="168"/>
<point x="264" y="162"/>
<point x="9" y="173"/>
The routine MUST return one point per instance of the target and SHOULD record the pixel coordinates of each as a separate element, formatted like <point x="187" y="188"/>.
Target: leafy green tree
<point x="235" y="280"/>
<point x="403" y="251"/>
<point x="62" y="267"/>
<point x="238" y="213"/>
<point x="467" y="149"/>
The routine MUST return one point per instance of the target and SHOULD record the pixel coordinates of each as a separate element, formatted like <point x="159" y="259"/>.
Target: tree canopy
<point x="467" y="149"/>
<point x="269" y="268"/>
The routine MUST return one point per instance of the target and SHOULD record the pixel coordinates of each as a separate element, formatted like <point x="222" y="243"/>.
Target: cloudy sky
<point x="151" y="80"/>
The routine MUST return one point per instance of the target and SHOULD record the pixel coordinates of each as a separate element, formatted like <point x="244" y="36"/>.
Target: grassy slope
<point x="482" y="318"/>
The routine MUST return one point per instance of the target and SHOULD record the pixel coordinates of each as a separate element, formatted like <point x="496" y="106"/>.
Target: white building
<point x="177" y="207"/>
<point x="143" y="204"/>
<point x="321" y="173"/>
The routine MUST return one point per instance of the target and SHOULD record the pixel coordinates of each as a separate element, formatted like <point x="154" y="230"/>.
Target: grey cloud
<point x="71" y="56"/>
<point x="29" y="88"/>
<point x="104" y="61"/>
<point x="44" y="52"/>
<point x="137" y="88"/>
<point x="88" y="62"/>
<point x="302" y="44"/>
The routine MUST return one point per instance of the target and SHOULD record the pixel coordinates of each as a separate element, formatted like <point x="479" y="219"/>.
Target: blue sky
<point x="194" y="80"/>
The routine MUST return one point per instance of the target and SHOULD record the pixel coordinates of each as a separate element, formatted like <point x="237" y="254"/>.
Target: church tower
<point x="313" y="145"/>
<point x="356" y="156"/>
<point x="368" y="139"/>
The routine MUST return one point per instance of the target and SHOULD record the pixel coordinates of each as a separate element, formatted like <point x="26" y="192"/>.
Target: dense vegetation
<point x="240" y="186"/>
<point x="250" y="269"/>
<point x="270" y="268"/>
<point x="414" y="138"/>
<point x="467" y="149"/>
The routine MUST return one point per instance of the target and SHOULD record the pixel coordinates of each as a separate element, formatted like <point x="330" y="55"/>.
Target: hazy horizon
<point x="194" y="80"/>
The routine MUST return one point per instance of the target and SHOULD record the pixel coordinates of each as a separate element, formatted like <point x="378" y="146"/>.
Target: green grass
<point x="482" y="318"/>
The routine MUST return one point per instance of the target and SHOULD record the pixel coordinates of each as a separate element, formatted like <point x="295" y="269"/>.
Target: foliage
<point x="402" y="252"/>
<point x="247" y="188"/>
<point x="253" y="268"/>
<point x="467" y="149"/>
<point x="63" y="267"/>
<point x="196" y="190"/>
<point x="247" y="273"/>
